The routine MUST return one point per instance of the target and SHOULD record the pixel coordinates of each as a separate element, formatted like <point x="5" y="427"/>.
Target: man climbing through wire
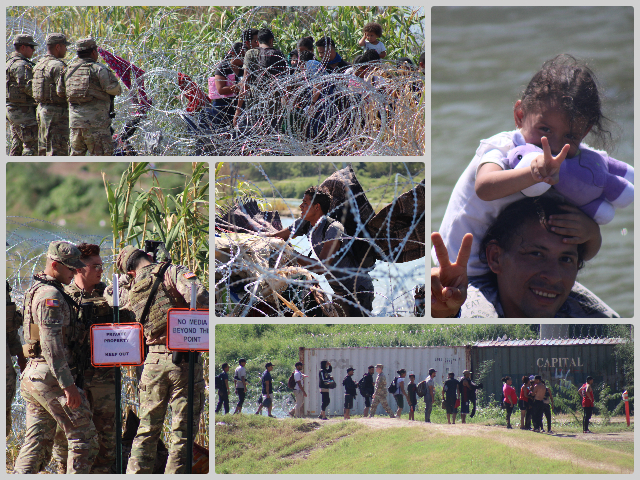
<point x="352" y="285"/>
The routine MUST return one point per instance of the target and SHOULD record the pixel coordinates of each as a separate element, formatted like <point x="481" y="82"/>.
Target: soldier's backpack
<point x="421" y="389"/>
<point x="394" y="386"/>
<point x="291" y="383"/>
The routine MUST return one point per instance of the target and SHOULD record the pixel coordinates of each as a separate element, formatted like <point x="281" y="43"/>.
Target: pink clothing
<point x="509" y="393"/>
<point x="587" y="397"/>
<point x="213" y="91"/>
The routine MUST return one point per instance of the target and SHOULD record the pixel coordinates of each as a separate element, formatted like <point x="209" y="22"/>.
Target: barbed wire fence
<point x="28" y="239"/>
<point x="258" y="276"/>
<point x="165" y="109"/>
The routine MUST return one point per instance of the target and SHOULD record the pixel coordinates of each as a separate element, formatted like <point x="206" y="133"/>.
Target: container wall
<point x="416" y="359"/>
<point x="562" y="365"/>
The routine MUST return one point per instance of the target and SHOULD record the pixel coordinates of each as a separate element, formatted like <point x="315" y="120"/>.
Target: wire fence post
<point x="118" y="381"/>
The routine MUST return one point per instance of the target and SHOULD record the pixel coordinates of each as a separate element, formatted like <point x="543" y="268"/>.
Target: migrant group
<point x="535" y="400"/>
<point x="59" y="109"/>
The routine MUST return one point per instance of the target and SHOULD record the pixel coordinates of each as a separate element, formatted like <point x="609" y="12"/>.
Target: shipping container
<point x="563" y="362"/>
<point x="416" y="359"/>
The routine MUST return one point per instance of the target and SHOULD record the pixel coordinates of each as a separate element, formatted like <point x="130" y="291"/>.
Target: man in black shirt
<point x="223" y="393"/>
<point x="368" y="389"/>
<point x="450" y="390"/>
<point x="267" y="390"/>
<point x="349" y="392"/>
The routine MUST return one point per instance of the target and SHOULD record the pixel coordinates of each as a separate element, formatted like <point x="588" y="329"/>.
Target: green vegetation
<point x="382" y="181"/>
<point x="193" y="36"/>
<point x="250" y="444"/>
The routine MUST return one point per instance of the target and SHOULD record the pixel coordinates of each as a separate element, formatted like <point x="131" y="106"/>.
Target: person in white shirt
<point x="298" y="391"/>
<point x="240" y="377"/>
<point x="372" y="31"/>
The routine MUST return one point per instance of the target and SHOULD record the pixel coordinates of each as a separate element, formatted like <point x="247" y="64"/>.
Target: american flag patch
<point x="52" y="302"/>
<point x="189" y="275"/>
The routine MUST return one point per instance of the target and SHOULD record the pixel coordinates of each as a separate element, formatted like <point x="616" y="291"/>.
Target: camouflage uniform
<point x="87" y="85"/>
<point x="21" y="107"/>
<point x="14" y="347"/>
<point x="380" y="396"/>
<point x="163" y="383"/>
<point x="100" y="388"/>
<point x="53" y="110"/>
<point x="49" y="328"/>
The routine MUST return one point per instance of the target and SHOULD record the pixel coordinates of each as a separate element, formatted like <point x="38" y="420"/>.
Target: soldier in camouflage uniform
<point x="99" y="383"/>
<point x="14" y="348"/>
<point x="47" y="385"/>
<point x="164" y="379"/>
<point x="21" y="107"/>
<point x="53" y="110"/>
<point x="380" y="393"/>
<point x="88" y="87"/>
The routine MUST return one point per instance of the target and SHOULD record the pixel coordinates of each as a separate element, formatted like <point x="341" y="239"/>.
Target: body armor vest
<point x="31" y="329"/>
<point x="14" y="93"/>
<point x="95" y="308"/>
<point x="44" y="90"/>
<point x="156" y="322"/>
<point x="82" y="83"/>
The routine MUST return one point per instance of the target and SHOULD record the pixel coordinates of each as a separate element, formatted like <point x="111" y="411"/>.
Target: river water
<point x="481" y="60"/>
<point x="393" y="282"/>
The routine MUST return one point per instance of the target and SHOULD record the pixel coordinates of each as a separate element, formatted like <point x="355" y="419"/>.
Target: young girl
<point x="559" y="107"/>
<point x="510" y="398"/>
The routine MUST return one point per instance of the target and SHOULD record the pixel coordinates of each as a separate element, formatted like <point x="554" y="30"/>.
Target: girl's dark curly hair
<point x="571" y="85"/>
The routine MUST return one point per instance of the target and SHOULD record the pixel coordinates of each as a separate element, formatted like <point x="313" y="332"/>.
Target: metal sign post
<point x="190" y="392"/>
<point x="118" y="381"/>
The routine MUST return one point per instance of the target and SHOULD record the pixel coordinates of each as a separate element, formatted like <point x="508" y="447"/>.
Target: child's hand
<point x="575" y="225"/>
<point x="546" y="167"/>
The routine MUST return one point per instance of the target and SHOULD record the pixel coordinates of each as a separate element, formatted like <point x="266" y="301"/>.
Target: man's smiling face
<point x="535" y="274"/>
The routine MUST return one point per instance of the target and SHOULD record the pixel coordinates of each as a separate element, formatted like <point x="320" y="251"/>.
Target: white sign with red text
<point x="188" y="330"/>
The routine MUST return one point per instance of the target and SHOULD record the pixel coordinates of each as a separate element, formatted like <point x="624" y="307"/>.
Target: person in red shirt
<point x="523" y="403"/>
<point x="510" y="398"/>
<point x="586" y="392"/>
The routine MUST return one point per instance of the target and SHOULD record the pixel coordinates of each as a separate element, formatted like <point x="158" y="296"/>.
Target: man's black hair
<point x="589" y="378"/>
<point x="86" y="53"/>
<point x="326" y="42"/>
<point x="306" y="42"/>
<point x="304" y="56"/>
<point x="264" y="35"/>
<point x="248" y="34"/>
<point x="538" y="377"/>
<point x="370" y="56"/>
<point x="224" y="365"/>
<point x="320" y="196"/>
<point x="242" y="360"/>
<point x="511" y="220"/>
<point x="402" y="60"/>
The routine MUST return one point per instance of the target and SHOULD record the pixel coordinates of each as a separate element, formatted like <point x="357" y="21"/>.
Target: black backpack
<point x="394" y="386"/>
<point x="363" y="388"/>
<point x="219" y="382"/>
<point x="292" y="381"/>
<point x="421" y="388"/>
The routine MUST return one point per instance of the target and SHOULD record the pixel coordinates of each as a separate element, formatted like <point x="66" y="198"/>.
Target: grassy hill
<point x="257" y="444"/>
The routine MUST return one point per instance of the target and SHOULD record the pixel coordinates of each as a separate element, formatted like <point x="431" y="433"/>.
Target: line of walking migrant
<point x="535" y="400"/>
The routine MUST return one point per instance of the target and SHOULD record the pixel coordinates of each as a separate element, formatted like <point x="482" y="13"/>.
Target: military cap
<point x="56" y="38"/>
<point x="123" y="257"/>
<point x="65" y="253"/>
<point x="85" y="44"/>
<point x="24" y="39"/>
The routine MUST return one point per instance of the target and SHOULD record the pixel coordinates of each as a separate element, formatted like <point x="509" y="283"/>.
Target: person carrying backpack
<point x="430" y="395"/>
<point x="366" y="389"/>
<point x="222" y="385"/>
<point x="326" y="383"/>
<point x="262" y="67"/>
<point x="298" y="390"/>
<point x="349" y="392"/>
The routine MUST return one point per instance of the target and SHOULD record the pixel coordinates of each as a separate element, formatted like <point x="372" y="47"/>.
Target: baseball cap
<point x="268" y="364"/>
<point x="24" y="39"/>
<point x="123" y="257"/>
<point x="532" y="377"/>
<point x="379" y="365"/>
<point x="56" y="38"/>
<point x="432" y="370"/>
<point x="350" y="369"/>
<point x="467" y="371"/>
<point x="411" y="374"/>
<point x="65" y="253"/>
